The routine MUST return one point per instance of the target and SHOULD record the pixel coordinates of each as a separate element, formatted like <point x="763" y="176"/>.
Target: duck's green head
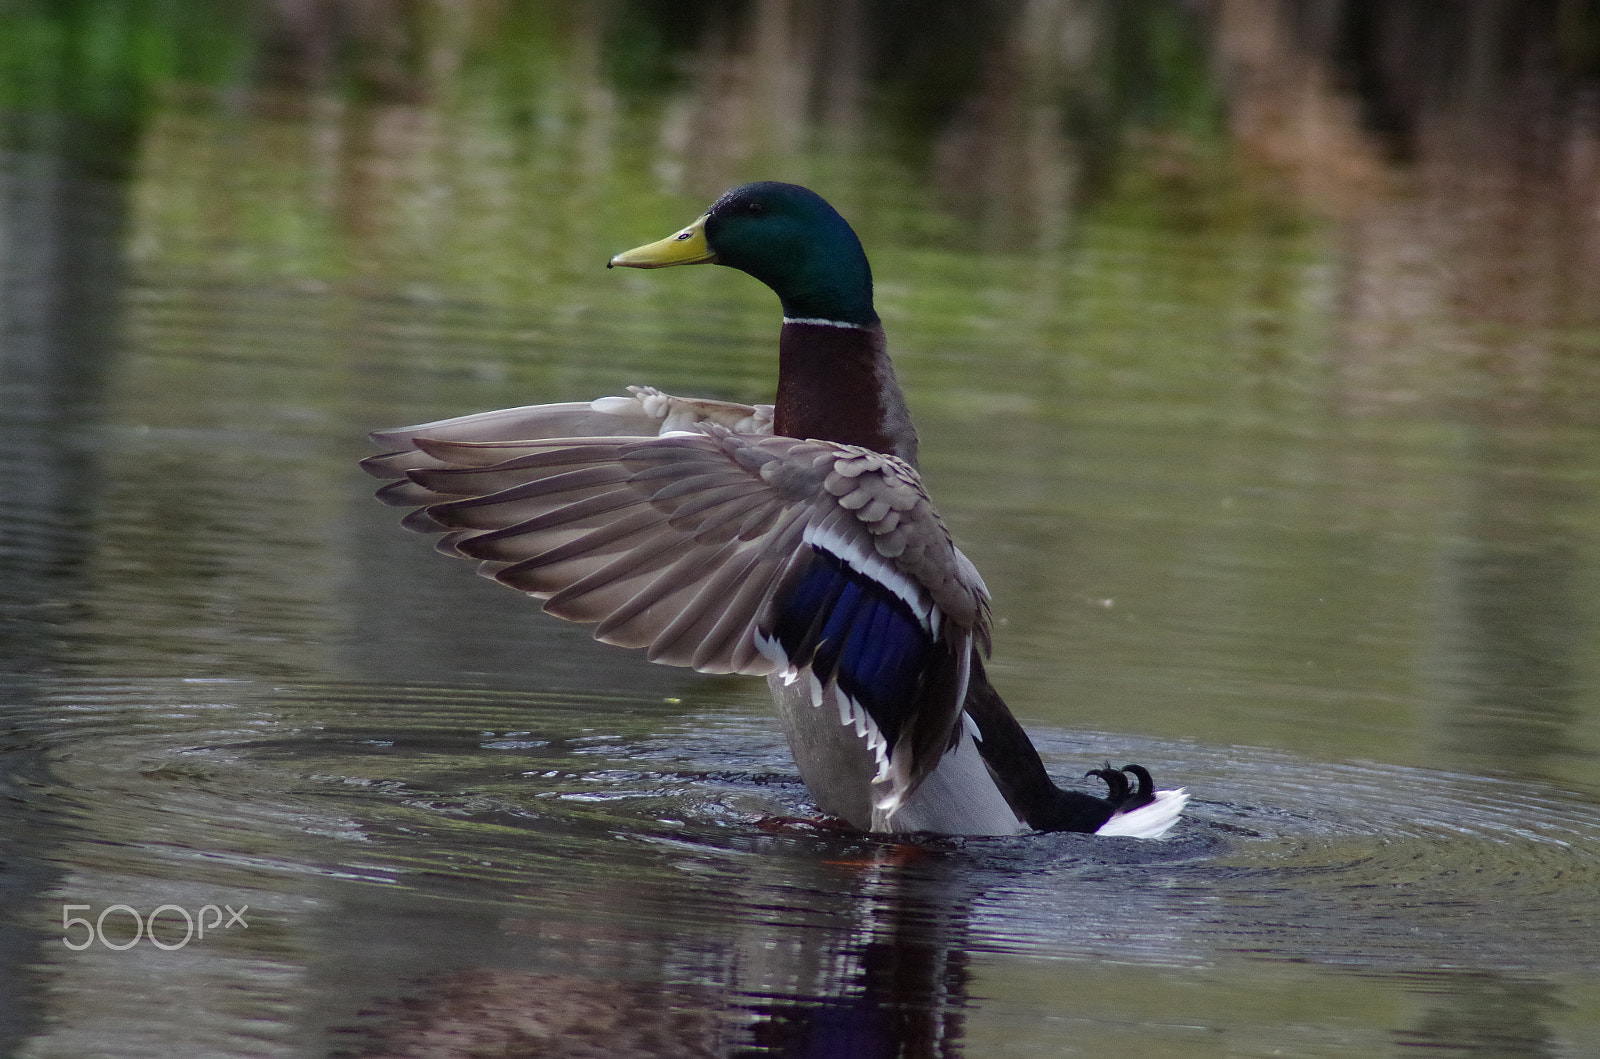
<point x="784" y="235"/>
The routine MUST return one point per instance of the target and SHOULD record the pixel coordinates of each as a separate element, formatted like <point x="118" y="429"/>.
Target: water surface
<point x="1278" y="454"/>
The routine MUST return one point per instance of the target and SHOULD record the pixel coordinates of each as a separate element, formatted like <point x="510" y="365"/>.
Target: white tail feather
<point x="1148" y="821"/>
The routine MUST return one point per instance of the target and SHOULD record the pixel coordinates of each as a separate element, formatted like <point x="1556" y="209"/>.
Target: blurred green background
<point x="1255" y="346"/>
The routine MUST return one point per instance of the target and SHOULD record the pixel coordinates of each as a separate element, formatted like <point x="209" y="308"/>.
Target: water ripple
<point x="448" y="790"/>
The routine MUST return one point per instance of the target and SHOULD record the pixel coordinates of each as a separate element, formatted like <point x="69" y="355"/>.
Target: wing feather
<point x="706" y="547"/>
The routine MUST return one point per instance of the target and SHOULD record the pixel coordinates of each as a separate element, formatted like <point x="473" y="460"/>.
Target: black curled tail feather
<point x="1019" y="772"/>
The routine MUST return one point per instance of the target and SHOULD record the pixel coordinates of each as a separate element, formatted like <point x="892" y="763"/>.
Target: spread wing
<point x="728" y="552"/>
<point x="646" y="412"/>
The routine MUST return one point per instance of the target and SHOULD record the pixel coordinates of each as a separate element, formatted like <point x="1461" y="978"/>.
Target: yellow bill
<point x="687" y="247"/>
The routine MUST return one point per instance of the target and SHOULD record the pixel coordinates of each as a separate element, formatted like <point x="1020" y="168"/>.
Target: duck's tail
<point x="1131" y="810"/>
<point x="1151" y="820"/>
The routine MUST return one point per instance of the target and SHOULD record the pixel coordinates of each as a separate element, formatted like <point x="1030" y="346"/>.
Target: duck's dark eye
<point x="755" y="209"/>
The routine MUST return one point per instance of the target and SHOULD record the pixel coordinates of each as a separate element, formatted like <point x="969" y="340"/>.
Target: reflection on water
<point x="440" y="863"/>
<point x="1518" y="628"/>
<point x="1254" y="351"/>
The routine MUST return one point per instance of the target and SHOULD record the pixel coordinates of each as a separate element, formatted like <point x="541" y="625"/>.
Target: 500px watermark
<point x="209" y="917"/>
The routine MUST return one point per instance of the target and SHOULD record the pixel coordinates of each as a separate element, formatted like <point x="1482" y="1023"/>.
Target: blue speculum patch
<point x="851" y="627"/>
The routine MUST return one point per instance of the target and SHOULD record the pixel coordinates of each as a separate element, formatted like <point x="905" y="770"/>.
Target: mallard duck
<point x="793" y="541"/>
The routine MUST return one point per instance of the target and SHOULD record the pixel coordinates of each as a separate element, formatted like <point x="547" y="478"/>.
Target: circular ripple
<point x="443" y="789"/>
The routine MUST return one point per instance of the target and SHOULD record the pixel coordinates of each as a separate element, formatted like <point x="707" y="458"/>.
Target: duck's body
<point x="793" y="541"/>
